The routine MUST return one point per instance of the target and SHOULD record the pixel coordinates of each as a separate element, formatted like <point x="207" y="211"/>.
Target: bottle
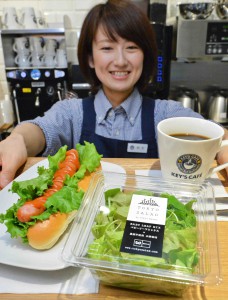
<point x="7" y="117"/>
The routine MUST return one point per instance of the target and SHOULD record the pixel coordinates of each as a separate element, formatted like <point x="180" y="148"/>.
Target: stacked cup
<point x="36" y="50"/>
<point x="55" y="56"/>
<point x="31" y="20"/>
<point x="28" y="18"/>
<point x="21" y="47"/>
<point x="61" y="59"/>
<point x="10" y="18"/>
<point x="50" y="53"/>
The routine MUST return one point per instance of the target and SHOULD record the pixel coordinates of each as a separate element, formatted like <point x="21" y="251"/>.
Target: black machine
<point x="159" y="88"/>
<point x="34" y="91"/>
<point x="33" y="88"/>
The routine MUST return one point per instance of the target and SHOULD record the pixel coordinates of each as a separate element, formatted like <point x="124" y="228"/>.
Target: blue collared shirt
<point x="62" y="123"/>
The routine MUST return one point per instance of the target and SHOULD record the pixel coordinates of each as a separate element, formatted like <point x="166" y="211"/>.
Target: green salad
<point x="179" y="251"/>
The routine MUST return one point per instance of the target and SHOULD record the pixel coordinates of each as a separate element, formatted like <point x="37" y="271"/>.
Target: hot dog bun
<point x="45" y="234"/>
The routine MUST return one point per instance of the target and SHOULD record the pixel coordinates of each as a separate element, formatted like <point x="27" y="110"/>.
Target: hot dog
<point x="49" y="202"/>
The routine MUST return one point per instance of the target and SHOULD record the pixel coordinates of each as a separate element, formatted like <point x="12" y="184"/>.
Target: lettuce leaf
<point x="66" y="200"/>
<point x="32" y="188"/>
<point x="180" y="236"/>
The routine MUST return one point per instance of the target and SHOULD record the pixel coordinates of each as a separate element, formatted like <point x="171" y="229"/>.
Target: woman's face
<point x="118" y="65"/>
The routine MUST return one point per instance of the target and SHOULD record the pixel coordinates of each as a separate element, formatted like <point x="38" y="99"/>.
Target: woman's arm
<point x="25" y="140"/>
<point x="33" y="137"/>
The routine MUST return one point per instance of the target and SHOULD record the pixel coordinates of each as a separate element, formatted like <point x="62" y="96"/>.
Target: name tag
<point x="137" y="148"/>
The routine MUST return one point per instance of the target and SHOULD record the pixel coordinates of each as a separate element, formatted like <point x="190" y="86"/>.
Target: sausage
<point x="35" y="207"/>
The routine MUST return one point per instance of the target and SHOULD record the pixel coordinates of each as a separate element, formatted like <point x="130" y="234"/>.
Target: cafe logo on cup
<point x="189" y="163"/>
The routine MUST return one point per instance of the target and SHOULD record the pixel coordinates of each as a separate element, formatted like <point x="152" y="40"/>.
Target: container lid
<point x="146" y="227"/>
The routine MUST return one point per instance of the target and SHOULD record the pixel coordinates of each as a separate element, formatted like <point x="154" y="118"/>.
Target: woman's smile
<point x="118" y="65"/>
<point x="119" y="74"/>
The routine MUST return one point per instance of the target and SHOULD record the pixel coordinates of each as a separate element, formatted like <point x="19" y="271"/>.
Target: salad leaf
<point x="89" y="157"/>
<point x="32" y="188"/>
<point x="180" y="236"/>
<point x="65" y="200"/>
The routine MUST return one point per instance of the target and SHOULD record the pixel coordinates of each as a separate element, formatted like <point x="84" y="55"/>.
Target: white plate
<point x="13" y="252"/>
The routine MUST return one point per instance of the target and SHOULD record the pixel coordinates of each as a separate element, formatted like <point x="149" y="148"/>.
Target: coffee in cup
<point x="187" y="148"/>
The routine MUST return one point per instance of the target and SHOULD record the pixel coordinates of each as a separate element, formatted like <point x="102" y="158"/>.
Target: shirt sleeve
<point x="61" y="125"/>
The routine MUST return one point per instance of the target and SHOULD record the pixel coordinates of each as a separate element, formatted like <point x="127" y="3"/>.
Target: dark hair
<point x="118" y="18"/>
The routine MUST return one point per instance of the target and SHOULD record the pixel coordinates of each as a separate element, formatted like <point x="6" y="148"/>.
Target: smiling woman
<point x="114" y="22"/>
<point x="118" y="65"/>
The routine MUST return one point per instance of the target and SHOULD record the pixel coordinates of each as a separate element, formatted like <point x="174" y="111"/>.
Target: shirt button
<point x="117" y="132"/>
<point x="110" y="114"/>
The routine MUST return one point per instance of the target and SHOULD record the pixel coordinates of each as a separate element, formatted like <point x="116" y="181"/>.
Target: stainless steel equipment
<point x="222" y="9"/>
<point x="189" y="99"/>
<point x="194" y="11"/>
<point x="202" y="39"/>
<point x="218" y="106"/>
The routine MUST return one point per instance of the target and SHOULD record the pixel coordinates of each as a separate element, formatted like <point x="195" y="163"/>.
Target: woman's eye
<point x="106" y="48"/>
<point x="132" y="47"/>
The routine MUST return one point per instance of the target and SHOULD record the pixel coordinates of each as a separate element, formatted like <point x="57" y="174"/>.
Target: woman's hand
<point x="13" y="154"/>
<point x="26" y="139"/>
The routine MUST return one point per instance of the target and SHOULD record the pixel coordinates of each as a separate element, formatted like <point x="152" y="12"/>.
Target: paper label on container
<point x="144" y="230"/>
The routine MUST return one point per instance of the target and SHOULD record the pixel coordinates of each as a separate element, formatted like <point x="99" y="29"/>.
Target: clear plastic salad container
<point x="147" y="234"/>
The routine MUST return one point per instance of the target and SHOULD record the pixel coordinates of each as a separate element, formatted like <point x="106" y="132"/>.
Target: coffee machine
<point x="34" y="91"/>
<point x="34" y="88"/>
<point x="202" y="31"/>
<point x="201" y="56"/>
<point x="206" y="39"/>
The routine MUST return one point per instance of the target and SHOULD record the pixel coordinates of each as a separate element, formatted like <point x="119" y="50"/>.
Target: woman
<point x="117" y="55"/>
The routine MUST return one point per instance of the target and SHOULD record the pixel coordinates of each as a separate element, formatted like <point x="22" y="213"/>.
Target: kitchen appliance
<point x="222" y="9"/>
<point x="35" y="90"/>
<point x="218" y="106"/>
<point x="35" y="86"/>
<point x="157" y="11"/>
<point x="202" y="39"/>
<point x="159" y="88"/>
<point x="189" y="99"/>
<point x="193" y="11"/>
